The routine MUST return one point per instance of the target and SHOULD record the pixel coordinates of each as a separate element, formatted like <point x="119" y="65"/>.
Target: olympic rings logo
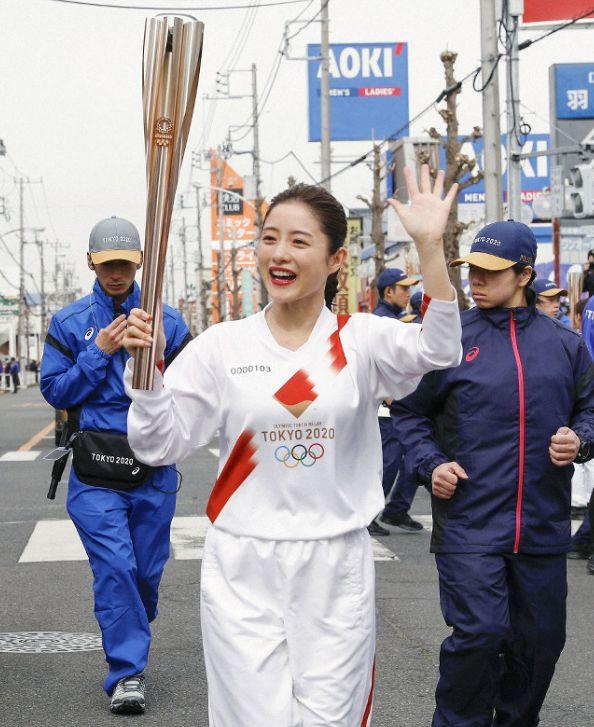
<point x="299" y="454"/>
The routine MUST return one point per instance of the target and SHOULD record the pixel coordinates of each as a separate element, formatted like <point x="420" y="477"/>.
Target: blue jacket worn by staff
<point x="125" y="534"/>
<point x="500" y="540"/>
<point x="523" y="375"/>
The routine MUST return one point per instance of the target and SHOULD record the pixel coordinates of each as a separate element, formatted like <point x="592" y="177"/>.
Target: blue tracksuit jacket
<point x="387" y="310"/>
<point x="74" y="371"/>
<point x="523" y="375"/>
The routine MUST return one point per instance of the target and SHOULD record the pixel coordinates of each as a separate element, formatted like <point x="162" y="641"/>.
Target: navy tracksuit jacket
<point x="399" y="493"/>
<point x="125" y="534"/>
<point x="522" y="376"/>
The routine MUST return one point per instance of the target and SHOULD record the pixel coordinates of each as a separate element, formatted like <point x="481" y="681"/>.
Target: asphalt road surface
<point x="46" y="589"/>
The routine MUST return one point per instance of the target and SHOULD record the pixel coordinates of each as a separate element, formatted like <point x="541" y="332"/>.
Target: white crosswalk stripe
<point x="58" y="541"/>
<point x="19" y="456"/>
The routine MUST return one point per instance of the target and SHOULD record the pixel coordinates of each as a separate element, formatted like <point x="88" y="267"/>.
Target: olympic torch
<point x="170" y="71"/>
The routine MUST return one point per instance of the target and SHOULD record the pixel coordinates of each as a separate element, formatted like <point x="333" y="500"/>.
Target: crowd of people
<point x="491" y="411"/>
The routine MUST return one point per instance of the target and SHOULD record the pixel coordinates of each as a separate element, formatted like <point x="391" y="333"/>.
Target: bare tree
<point x="377" y="205"/>
<point x="458" y="167"/>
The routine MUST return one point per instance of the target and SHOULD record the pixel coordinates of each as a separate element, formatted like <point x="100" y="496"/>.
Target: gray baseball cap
<point x="114" y="239"/>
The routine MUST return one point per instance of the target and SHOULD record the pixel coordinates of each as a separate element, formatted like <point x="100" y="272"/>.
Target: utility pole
<point x="21" y="309"/>
<point x="377" y="207"/>
<point x="514" y="184"/>
<point x="201" y="304"/>
<point x="491" y="126"/>
<point x="256" y="172"/>
<point x="221" y="287"/>
<point x="43" y="321"/>
<point x="182" y="236"/>
<point x="235" y="276"/>
<point x="325" y="96"/>
<point x="172" y="279"/>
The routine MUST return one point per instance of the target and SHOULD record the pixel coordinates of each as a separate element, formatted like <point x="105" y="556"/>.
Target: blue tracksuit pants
<point x="391" y="453"/>
<point x="126" y="536"/>
<point x="507" y="613"/>
<point x="405" y="488"/>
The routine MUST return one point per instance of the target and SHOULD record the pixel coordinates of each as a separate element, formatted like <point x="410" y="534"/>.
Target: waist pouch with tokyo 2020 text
<point x="104" y="459"/>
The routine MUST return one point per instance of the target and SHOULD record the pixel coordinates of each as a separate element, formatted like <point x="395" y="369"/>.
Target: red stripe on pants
<point x="369" y="699"/>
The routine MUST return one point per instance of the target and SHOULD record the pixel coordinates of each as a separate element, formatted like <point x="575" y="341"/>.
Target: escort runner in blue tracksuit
<point x="393" y="287"/>
<point x="125" y="533"/>
<point x="494" y="440"/>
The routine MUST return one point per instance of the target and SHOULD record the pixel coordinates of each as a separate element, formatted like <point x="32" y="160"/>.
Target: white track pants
<point x="288" y="629"/>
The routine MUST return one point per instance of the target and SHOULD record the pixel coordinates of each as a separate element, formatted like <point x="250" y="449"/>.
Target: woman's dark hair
<point x="330" y="215"/>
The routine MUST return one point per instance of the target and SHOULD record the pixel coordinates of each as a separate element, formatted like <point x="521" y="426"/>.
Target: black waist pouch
<point x="104" y="459"/>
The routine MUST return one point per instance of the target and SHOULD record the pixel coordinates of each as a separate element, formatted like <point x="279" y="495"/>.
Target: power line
<point x="12" y="285"/>
<point x="456" y="87"/>
<point x="273" y="74"/>
<point x="271" y="3"/>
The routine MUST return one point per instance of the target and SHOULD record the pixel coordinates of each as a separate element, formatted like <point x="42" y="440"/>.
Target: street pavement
<point x="47" y="587"/>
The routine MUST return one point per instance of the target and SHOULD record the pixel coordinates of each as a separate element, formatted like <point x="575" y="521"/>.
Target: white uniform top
<point x="300" y="450"/>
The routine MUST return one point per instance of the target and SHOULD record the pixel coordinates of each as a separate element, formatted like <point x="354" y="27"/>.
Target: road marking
<point x="57" y="540"/>
<point x="20" y="456"/>
<point x="216" y="452"/>
<point x="38" y="437"/>
<point x="187" y="537"/>
<point x="53" y="540"/>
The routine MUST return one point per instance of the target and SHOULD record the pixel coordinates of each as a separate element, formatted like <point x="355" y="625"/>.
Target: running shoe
<point x="128" y="696"/>
<point x="401" y="520"/>
<point x="375" y="529"/>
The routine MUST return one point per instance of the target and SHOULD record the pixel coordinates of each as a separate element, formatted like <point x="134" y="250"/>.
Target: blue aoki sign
<point x="368" y="90"/>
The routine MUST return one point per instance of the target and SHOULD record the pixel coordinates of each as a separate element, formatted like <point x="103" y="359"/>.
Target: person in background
<point x="15" y="370"/>
<point x="400" y="498"/>
<point x="393" y="287"/>
<point x="588" y="284"/>
<point x="582" y="485"/>
<point x="123" y="524"/>
<point x="6" y="370"/>
<point x="548" y="300"/>
<point x="415" y="305"/>
<point x="34" y="368"/>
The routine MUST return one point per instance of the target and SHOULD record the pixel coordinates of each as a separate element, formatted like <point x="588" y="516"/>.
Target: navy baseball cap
<point x="416" y="301"/>
<point x="391" y="276"/>
<point x="500" y="246"/>
<point x="547" y="288"/>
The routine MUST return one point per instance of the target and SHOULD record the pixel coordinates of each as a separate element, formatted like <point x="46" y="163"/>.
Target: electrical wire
<point x="307" y="23"/>
<point x="446" y="92"/>
<point x="274" y="71"/>
<point x="269" y="4"/>
<point x="557" y="28"/>
<point x="12" y="285"/>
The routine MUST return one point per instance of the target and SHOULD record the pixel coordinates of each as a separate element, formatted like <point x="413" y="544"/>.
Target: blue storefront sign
<point x="574" y="90"/>
<point x="368" y="90"/>
<point x="535" y="171"/>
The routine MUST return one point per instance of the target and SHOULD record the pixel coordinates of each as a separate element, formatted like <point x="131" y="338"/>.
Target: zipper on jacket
<point x="522" y="428"/>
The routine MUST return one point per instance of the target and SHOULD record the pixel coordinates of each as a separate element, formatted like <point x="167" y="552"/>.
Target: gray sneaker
<point x="128" y="696"/>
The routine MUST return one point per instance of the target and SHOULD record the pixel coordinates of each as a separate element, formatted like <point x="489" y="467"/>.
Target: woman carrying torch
<point x="287" y="588"/>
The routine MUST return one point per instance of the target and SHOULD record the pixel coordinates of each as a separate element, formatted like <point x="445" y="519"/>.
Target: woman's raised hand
<point x="139" y="333"/>
<point x="426" y="216"/>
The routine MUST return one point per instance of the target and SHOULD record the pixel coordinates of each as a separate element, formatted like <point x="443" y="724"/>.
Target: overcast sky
<point x="71" y="102"/>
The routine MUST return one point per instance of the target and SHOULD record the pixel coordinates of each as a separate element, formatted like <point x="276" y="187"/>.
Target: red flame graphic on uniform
<point x="237" y="469"/>
<point x="299" y="392"/>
